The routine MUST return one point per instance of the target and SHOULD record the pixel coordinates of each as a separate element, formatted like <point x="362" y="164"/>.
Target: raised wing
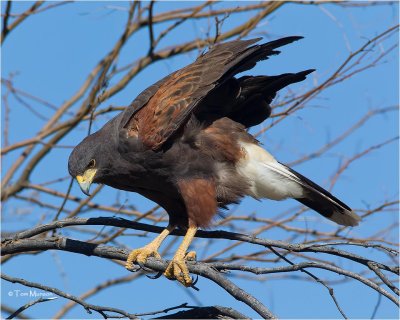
<point x="178" y="95"/>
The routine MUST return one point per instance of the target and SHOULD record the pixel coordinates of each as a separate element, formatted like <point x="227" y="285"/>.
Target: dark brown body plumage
<point x="197" y="171"/>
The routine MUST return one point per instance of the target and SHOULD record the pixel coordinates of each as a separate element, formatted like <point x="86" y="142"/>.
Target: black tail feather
<point x="323" y="202"/>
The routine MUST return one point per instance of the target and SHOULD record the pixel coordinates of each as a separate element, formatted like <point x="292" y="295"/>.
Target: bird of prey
<point x="183" y="143"/>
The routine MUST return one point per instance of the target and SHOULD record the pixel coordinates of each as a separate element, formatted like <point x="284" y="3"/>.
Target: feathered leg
<point x="201" y="205"/>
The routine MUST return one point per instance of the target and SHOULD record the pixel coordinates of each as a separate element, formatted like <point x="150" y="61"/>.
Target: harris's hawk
<point x="183" y="144"/>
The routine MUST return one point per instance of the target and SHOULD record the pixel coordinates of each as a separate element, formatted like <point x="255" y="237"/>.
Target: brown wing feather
<point x="139" y="102"/>
<point x="166" y="109"/>
<point x="178" y="95"/>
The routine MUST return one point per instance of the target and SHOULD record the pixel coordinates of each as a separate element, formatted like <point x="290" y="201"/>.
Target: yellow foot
<point x="178" y="270"/>
<point x="140" y="256"/>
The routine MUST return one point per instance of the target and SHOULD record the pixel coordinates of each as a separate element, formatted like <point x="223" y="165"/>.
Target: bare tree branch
<point x="19" y="243"/>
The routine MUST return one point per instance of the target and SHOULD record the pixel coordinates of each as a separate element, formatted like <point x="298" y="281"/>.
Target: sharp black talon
<point x="156" y="276"/>
<point x="194" y="287"/>
<point x="195" y="281"/>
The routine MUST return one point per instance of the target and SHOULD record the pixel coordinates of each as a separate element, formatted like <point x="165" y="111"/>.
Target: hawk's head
<point x="90" y="161"/>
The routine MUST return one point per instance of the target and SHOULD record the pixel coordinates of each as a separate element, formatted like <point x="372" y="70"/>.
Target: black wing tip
<point x="285" y="40"/>
<point x="274" y="43"/>
<point x="306" y="72"/>
<point x="303" y="74"/>
<point x="292" y="38"/>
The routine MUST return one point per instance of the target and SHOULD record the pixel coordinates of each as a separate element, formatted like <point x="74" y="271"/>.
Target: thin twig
<point x="330" y="290"/>
<point x="87" y="306"/>
<point x="151" y="31"/>
<point x="28" y="305"/>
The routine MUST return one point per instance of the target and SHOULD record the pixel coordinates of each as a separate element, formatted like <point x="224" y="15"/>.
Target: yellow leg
<point x="151" y="250"/>
<point x="177" y="268"/>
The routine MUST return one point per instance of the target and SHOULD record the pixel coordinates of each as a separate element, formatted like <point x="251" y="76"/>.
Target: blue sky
<point x="51" y="54"/>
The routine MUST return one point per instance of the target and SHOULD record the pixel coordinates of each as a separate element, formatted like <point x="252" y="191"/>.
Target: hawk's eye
<point x="91" y="164"/>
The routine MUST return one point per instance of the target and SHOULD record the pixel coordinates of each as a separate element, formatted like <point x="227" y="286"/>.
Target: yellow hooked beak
<point x="86" y="180"/>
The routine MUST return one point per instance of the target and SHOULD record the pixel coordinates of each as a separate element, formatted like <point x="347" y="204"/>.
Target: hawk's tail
<point x="322" y="201"/>
<point x="273" y="180"/>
